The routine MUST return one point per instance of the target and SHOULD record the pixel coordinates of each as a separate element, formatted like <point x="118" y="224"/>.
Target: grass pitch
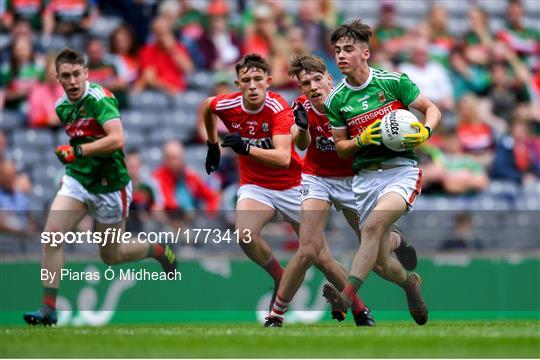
<point x="486" y="339"/>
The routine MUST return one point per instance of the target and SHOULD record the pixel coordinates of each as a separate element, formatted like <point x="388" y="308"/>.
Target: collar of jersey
<point x="316" y="111"/>
<point x="82" y="97"/>
<point x="366" y="83"/>
<point x="254" y="111"/>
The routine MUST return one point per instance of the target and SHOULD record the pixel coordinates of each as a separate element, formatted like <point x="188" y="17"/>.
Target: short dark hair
<point x="68" y="56"/>
<point x="250" y="61"/>
<point x="355" y="30"/>
<point x="309" y="63"/>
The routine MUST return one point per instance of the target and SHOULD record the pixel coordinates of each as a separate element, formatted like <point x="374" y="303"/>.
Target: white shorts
<point x="370" y="186"/>
<point x="106" y="208"/>
<point x="335" y="190"/>
<point x="286" y="202"/>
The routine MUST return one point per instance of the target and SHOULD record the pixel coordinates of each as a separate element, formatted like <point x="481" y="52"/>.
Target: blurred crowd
<point x="485" y="80"/>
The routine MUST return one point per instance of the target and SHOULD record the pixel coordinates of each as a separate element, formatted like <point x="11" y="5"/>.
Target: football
<point x="394" y="126"/>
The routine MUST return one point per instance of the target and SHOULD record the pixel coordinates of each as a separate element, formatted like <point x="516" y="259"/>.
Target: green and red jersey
<point x="83" y="121"/>
<point x="356" y="107"/>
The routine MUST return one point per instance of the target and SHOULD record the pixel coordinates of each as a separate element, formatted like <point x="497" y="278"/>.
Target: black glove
<point x="300" y="117"/>
<point x="235" y="141"/>
<point x="212" y="157"/>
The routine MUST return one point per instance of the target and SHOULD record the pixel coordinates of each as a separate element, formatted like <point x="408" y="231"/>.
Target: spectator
<point x="22" y="182"/>
<point x="431" y="77"/>
<point x="466" y="76"/>
<point x="219" y="44"/>
<point x="441" y="41"/>
<point x="523" y="40"/>
<point x="24" y="70"/>
<point x="463" y="173"/>
<point x="311" y="22"/>
<point x="14" y="204"/>
<point x="102" y="70"/>
<point x="68" y="17"/>
<point x="502" y="96"/>
<point x="182" y="188"/>
<point x="517" y="156"/>
<point x="221" y="86"/>
<point x="478" y="39"/>
<point x="43" y="97"/>
<point x="388" y="35"/>
<point x="190" y="23"/>
<point x="263" y="38"/>
<point x="145" y="193"/>
<point x="124" y="49"/>
<point x="164" y="63"/>
<point x="463" y="237"/>
<point x="28" y="10"/>
<point x="475" y="136"/>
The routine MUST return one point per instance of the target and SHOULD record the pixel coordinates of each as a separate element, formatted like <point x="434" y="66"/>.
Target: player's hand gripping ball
<point x="371" y="135"/>
<point x="65" y="153"/>
<point x="300" y="117"/>
<point x="401" y="130"/>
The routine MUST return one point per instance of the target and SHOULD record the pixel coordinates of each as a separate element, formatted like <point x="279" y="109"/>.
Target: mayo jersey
<point x="274" y="117"/>
<point x="355" y="107"/>
<point x="83" y="121"/>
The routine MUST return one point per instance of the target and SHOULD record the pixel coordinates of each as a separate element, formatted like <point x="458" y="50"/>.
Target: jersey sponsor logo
<point x="382" y="97"/>
<point x="374" y="114"/>
<point x="347" y="108"/>
<point x="325" y="144"/>
<point x="84" y="127"/>
<point x="365" y="97"/>
<point x="263" y="143"/>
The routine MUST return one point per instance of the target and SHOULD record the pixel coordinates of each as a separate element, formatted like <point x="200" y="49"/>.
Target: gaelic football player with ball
<point x="386" y="182"/>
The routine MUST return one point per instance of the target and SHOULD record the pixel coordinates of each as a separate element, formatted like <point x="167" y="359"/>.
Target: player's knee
<point x="307" y="255"/>
<point x="371" y="231"/>
<point x="110" y="258"/>
<point x="381" y="266"/>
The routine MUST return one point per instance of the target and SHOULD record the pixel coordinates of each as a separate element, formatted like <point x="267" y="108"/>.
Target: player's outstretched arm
<point x="112" y="141"/>
<point x="345" y="147"/>
<point x="279" y="156"/>
<point x="299" y="130"/>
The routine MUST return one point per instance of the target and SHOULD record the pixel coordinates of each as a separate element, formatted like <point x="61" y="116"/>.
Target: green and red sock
<point x="49" y="297"/>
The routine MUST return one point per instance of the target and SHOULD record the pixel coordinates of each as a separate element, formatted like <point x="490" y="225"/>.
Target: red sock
<point x="280" y="307"/>
<point x="155" y="250"/>
<point x="350" y="292"/>
<point x="275" y="270"/>
<point x="357" y="305"/>
<point x="49" y="297"/>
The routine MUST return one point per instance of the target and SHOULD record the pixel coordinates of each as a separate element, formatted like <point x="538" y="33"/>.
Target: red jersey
<point x="273" y="118"/>
<point x="321" y="157"/>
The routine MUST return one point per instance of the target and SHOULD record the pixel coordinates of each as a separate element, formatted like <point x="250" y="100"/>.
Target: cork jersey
<point x="273" y="118"/>
<point x="321" y="158"/>
<point x="83" y="121"/>
<point x="356" y="107"/>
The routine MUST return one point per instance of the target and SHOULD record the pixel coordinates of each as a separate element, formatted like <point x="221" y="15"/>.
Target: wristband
<point x="429" y="130"/>
<point x="78" y="151"/>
